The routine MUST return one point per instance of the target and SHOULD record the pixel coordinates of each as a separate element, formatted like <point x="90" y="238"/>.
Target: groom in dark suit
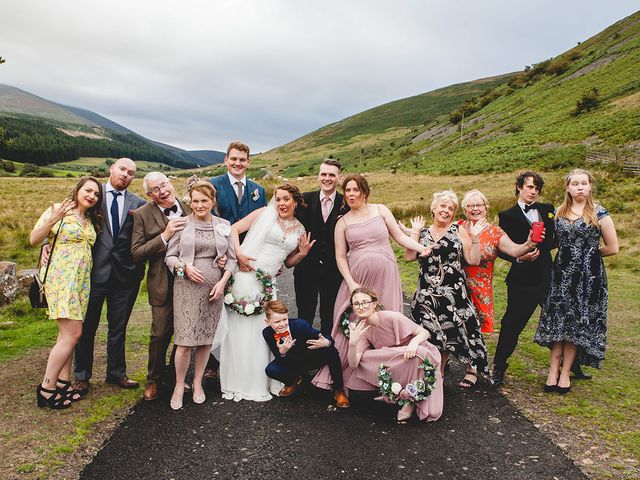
<point x="236" y="197"/>
<point x="529" y="276"/>
<point x="153" y="226"/>
<point x="318" y="273"/>
<point x="115" y="277"/>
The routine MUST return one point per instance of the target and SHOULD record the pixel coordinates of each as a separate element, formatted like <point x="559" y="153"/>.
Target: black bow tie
<point x="533" y="206"/>
<point x="167" y="211"/>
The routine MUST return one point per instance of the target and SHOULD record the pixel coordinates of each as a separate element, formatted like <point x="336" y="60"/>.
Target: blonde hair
<point x="445" y="195"/>
<point x="589" y="212"/>
<point x="205" y="188"/>
<point x="474" y="193"/>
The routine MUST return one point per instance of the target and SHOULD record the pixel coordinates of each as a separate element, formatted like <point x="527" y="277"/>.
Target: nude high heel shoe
<point x="405" y="412"/>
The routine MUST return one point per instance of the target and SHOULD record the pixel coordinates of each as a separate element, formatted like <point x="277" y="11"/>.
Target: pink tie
<point x="326" y="208"/>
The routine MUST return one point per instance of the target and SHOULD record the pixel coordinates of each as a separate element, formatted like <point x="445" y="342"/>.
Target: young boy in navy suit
<point x="298" y="348"/>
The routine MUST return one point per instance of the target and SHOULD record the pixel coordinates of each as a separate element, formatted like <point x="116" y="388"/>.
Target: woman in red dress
<point x="492" y="239"/>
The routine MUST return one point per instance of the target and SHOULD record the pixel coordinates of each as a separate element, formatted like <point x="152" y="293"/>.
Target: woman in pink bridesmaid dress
<point x="389" y="338"/>
<point x="364" y="233"/>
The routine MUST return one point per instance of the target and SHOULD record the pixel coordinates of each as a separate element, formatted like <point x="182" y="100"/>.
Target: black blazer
<point x="324" y="250"/>
<point x="300" y="331"/>
<point x="517" y="226"/>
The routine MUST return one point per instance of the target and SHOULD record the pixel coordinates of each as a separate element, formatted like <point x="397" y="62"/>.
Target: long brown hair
<point x="95" y="212"/>
<point x="361" y="182"/>
<point x="589" y="212"/>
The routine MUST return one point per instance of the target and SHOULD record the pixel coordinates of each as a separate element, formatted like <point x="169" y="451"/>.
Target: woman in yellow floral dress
<point x="76" y="220"/>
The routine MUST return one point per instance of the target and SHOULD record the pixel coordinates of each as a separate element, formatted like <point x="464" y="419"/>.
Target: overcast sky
<point x="198" y="74"/>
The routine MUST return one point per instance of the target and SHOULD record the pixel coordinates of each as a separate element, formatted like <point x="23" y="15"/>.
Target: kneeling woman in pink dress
<point x="382" y="337"/>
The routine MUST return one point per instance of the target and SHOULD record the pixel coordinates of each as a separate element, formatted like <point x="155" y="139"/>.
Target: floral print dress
<point x="442" y="305"/>
<point x="480" y="277"/>
<point x="575" y="310"/>
<point x="69" y="277"/>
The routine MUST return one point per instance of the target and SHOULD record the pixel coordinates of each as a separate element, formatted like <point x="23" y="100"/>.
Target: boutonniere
<point x="550" y="214"/>
<point x="255" y="195"/>
<point x="130" y="213"/>
<point x="223" y="229"/>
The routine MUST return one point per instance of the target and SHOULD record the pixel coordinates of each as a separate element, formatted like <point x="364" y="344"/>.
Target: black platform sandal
<point x="56" y="401"/>
<point x="67" y="391"/>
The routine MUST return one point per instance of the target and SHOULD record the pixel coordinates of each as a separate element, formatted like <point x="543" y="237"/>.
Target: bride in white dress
<point x="274" y="237"/>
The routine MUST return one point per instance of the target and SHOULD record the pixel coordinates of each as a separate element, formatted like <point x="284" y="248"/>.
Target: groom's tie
<point x="115" y="215"/>
<point x="239" y="185"/>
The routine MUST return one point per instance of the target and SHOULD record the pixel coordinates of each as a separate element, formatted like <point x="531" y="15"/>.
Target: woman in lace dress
<point x="574" y="315"/>
<point x="199" y="285"/>
<point x="274" y="237"/>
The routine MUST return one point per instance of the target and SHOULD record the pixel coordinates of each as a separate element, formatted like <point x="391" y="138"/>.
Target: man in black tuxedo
<point x="318" y="273"/>
<point x="529" y="276"/>
<point x="115" y="278"/>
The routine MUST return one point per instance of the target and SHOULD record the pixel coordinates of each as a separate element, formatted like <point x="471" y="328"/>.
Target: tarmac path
<point x="480" y="436"/>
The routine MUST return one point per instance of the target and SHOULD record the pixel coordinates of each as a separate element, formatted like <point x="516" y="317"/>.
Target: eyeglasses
<point x="471" y="206"/>
<point x="362" y="304"/>
<point x="162" y="186"/>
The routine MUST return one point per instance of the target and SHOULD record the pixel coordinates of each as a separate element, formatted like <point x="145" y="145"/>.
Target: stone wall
<point x="13" y="283"/>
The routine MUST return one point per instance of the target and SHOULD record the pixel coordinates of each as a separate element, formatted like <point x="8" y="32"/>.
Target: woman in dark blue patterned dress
<point x="574" y="317"/>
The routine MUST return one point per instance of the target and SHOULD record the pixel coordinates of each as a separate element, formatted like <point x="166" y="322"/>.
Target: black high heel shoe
<point x="550" y="388"/>
<point x="56" y="401"/>
<point x="68" y="392"/>
<point x="563" y="390"/>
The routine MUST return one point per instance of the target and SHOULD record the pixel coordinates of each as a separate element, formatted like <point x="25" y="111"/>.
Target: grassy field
<point x="597" y="424"/>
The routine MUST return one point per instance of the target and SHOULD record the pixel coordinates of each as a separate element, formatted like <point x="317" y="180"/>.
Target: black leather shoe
<point x="497" y="376"/>
<point x="578" y="374"/>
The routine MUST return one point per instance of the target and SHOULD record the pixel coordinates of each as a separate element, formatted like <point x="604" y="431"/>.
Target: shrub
<point x="589" y="101"/>
<point x="558" y="66"/>
<point x="28" y="168"/>
<point x="8" y="166"/>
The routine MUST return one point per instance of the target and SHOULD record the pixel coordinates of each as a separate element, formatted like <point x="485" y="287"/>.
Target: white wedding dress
<point x="244" y="354"/>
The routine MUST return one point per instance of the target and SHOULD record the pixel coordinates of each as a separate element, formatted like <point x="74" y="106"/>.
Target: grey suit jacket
<point x="146" y="244"/>
<point x="112" y="256"/>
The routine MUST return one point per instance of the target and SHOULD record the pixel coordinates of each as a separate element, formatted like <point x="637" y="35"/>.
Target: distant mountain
<point x="45" y="132"/>
<point x="548" y="116"/>
<point x="95" y="119"/>
<point x="16" y="101"/>
<point x="198" y="157"/>
<point x="208" y="157"/>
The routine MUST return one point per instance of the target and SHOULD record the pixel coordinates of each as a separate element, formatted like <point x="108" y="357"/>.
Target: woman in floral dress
<point x="574" y="316"/>
<point x="75" y="221"/>
<point x="441" y="302"/>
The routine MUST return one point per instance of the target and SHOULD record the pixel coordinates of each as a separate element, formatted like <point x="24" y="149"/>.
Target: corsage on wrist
<point x="180" y="270"/>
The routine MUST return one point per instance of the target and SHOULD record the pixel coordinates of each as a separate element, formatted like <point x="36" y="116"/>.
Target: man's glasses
<point x="162" y="186"/>
<point x="362" y="304"/>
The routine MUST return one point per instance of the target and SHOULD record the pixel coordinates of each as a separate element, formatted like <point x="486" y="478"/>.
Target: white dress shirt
<point x="109" y="198"/>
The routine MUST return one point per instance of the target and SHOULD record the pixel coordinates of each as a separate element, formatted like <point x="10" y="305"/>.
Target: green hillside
<point x="529" y="118"/>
